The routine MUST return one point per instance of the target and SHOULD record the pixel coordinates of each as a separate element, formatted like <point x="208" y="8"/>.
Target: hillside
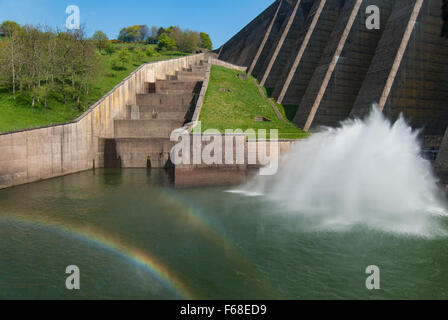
<point x="18" y="114"/>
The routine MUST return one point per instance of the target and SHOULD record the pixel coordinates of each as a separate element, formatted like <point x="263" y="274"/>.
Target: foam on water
<point x="367" y="172"/>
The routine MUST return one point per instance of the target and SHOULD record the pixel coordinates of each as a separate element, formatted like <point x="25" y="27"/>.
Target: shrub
<point x="140" y="55"/>
<point x="151" y="52"/>
<point x="166" y="42"/>
<point x="206" y="42"/>
<point x="101" y="40"/>
<point x="109" y="49"/>
<point x="123" y="57"/>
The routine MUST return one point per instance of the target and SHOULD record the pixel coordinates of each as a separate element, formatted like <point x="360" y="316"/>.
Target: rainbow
<point x="176" y="204"/>
<point x="114" y="245"/>
<point x="211" y="231"/>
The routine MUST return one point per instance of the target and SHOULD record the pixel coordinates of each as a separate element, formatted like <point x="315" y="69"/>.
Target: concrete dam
<point x="333" y="59"/>
<point x="130" y="127"/>
<point x="328" y="59"/>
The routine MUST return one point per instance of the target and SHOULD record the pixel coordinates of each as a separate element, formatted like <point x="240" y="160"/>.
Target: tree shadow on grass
<point x="119" y="68"/>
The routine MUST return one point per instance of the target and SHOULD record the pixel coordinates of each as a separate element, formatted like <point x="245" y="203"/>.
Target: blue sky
<point x="221" y="19"/>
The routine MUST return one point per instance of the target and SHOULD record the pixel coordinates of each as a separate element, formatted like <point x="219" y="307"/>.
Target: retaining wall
<point x="48" y="152"/>
<point x="221" y="63"/>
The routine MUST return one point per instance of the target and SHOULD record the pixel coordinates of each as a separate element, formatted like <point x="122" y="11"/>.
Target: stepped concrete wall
<point x="221" y="63"/>
<point x="42" y="153"/>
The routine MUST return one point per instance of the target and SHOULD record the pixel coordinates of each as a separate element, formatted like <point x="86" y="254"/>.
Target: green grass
<point x="238" y="109"/>
<point x="18" y="114"/>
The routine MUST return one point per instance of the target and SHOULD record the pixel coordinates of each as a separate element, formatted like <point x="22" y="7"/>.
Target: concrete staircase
<point x="142" y="139"/>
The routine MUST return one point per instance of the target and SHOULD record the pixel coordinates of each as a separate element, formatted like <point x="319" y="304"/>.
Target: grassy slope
<point x="237" y="109"/>
<point x="18" y="114"/>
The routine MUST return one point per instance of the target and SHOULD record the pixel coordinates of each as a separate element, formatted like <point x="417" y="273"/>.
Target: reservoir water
<point x="133" y="236"/>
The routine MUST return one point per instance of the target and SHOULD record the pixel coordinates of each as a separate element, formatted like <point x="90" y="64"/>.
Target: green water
<point x="209" y="244"/>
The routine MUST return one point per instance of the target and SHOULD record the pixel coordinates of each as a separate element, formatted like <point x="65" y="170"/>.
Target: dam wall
<point x="338" y="77"/>
<point x="289" y="40"/>
<point x="47" y="152"/>
<point x="335" y="59"/>
<point x="409" y="74"/>
<point x="243" y="47"/>
<point x="305" y="57"/>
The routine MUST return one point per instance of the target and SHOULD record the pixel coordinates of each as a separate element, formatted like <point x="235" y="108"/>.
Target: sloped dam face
<point x="134" y="236"/>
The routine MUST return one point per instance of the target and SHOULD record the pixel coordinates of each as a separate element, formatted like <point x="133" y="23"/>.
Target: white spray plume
<point x="365" y="172"/>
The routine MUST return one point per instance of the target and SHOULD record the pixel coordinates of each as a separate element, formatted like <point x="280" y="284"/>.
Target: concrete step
<point x="173" y="86"/>
<point x="144" y="152"/>
<point x="168" y="116"/>
<point x="189" y="77"/>
<point x="166" y="99"/>
<point x="156" y="113"/>
<point x="148" y="112"/>
<point x="191" y="73"/>
<point x="149" y="108"/>
<point x="146" y="128"/>
<point x="201" y="69"/>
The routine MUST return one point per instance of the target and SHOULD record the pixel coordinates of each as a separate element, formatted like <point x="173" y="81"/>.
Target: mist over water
<point x="365" y="172"/>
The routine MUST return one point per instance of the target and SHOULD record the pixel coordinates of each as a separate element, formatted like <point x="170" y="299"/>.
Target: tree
<point x="123" y="34"/>
<point x="144" y="30"/>
<point x="32" y="55"/>
<point x="39" y="61"/>
<point x="206" y="42"/>
<point x="130" y="34"/>
<point x="153" y="35"/>
<point x="191" y="41"/>
<point x="11" y="60"/>
<point x="151" y="52"/>
<point x="161" y="31"/>
<point x="9" y="27"/>
<point x="178" y="35"/>
<point x="140" y="54"/>
<point x="101" y="40"/>
<point x="133" y="33"/>
<point x="65" y="53"/>
<point x="122" y="59"/>
<point x="110" y="49"/>
<point x="166" y="42"/>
